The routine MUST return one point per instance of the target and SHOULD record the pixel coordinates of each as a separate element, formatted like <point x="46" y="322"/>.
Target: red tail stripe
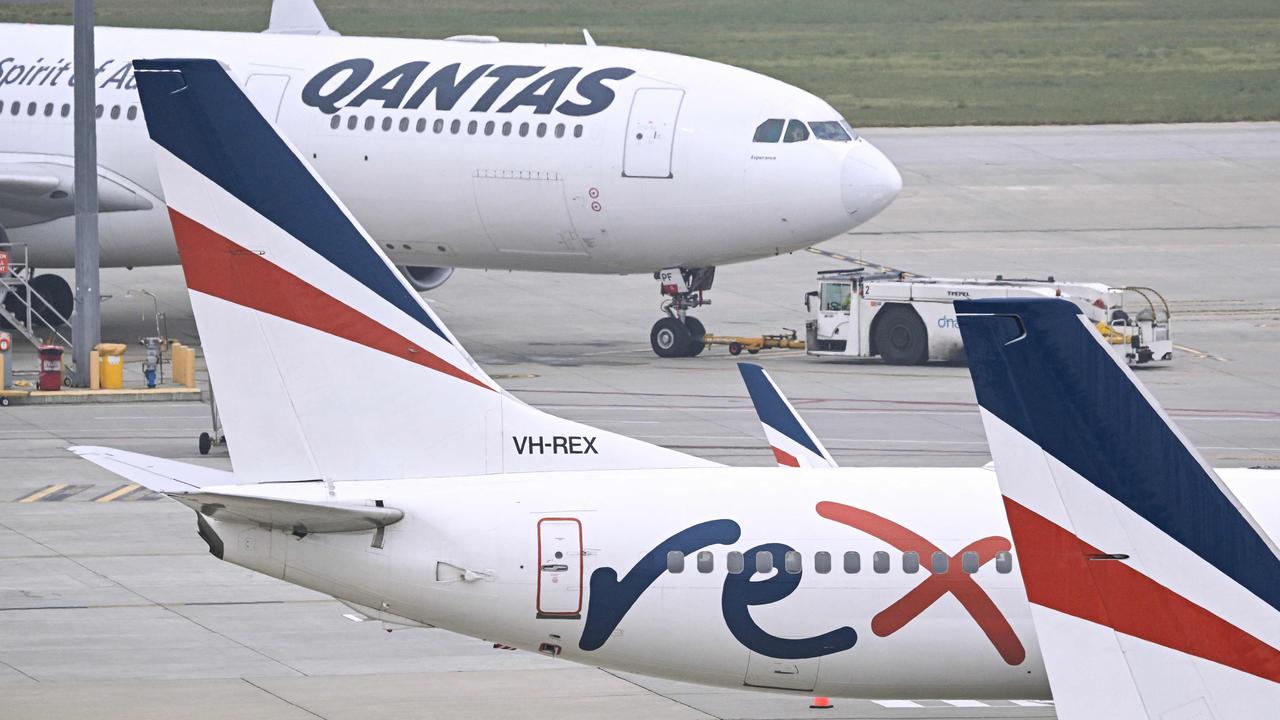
<point x="1060" y="576"/>
<point x="217" y="266"/>
<point x="784" y="458"/>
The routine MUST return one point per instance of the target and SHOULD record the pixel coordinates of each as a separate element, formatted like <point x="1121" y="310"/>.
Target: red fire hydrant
<point x="50" y="367"/>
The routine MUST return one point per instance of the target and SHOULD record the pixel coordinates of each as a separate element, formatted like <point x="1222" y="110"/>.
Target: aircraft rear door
<point x="266" y="93"/>
<point x="559" y="568"/>
<point x="651" y="133"/>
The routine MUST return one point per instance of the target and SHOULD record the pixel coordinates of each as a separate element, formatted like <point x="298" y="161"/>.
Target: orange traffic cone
<point x="821" y="703"/>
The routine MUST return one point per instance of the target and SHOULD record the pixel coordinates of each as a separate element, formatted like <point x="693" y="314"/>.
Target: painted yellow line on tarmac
<point x="118" y="492"/>
<point x="35" y="496"/>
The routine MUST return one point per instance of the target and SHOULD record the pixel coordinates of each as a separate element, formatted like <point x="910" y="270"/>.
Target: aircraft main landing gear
<point x="680" y="334"/>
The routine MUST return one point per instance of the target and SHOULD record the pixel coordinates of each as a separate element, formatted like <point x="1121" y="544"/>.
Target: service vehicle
<point x="909" y="320"/>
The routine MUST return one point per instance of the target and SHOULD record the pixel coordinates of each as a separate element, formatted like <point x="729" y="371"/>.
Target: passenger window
<point x="675" y="561"/>
<point x="133" y="112"/>
<point x="836" y="296"/>
<point x="911" y="562"/>
<point x="97" y="112"/>
<point x="368" y="123"/>
<point x="472" y="127"/>
<point x="852" y="562"/>
<point x="66" y="109"/>
<point x="31" y="109"/>
<point x="791" y="562"/>
<point x="969" y="562"/>
<point x="438" y="126"/>
<point x="421" y="125"/>
<point x="940" y="561"/>
<point x="1004" y="562"/>
<point x="488" y="127"/>
<point x="506" y="128"/>
<point x="796" y="132"/>
<point x="542" y="129"/>
<point x="386" y="124"/>
<point x="577" y="131"/>
<point x="524" y="129"/>
<point x="880" y="562"/>
<point x="830" y="130"/>
<point x="706" y="561"/>
<point x="352" y="122"/>
<point x="559" y="130"/>
<point x="764" y="561"/>
<point x="334" y="122"/>
<point x="404" y="124"/>
<point x="822" y="562"/>
<point x="17" y="106"/>
<point x="48" y="110"/>
<point x="734" y="562"/>
<point x="455" y="126"/>
<point x="769" y="131"/>
<point x="115" y="112"/>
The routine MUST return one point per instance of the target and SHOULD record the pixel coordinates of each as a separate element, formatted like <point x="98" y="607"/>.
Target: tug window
<point x="734" y="562"/>
<point x="939" y="563"/>
<point x="791" y="562"/>
<point x="796" y="132"/>
<point x="969" y="562"/>
<point x="675" y="561"/>
<point x="852" y="562"/>
<point x="822" y="562"/>
<point x="769" y="131"/>
<point x="830" y="130"/>
<point x="836" y="296"/>
<point x="1004" y="562"/>
<point x="764" y="561"/>
<point x="911" y="562"/>
<point x="880" y="562"/>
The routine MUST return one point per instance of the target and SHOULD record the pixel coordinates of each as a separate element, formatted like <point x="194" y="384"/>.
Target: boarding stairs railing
<point x="34" y="309"/>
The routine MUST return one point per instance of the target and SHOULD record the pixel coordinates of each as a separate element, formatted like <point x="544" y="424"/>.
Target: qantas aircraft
<point x="463" y="152"/>
<point x="472" y="511"/>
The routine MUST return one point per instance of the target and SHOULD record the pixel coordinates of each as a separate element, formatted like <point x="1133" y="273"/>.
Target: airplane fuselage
<point x="459" y="153"/>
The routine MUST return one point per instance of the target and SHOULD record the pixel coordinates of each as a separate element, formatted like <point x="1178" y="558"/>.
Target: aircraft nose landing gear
<point x="680" y="334"/>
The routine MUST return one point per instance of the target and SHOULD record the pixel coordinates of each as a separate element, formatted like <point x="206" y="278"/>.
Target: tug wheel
<point x="735" y="348"/>
<point x="206" y="442"/>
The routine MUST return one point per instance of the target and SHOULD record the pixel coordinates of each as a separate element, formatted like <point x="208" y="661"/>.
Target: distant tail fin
<point x="1155" y="594"/>
<point x="328" y="365"/>
<point x="792" y="442"/>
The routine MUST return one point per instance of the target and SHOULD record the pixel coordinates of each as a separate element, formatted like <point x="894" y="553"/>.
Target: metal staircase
<point x="37" y="311"/>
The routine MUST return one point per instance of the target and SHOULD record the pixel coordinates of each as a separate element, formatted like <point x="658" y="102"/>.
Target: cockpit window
<point x="796" y="132"/>
<point x="770" y="131"/>
<point x="830" y="130"/>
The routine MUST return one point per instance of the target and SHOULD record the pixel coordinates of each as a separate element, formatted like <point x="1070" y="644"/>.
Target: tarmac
<point x="111" y="607"/>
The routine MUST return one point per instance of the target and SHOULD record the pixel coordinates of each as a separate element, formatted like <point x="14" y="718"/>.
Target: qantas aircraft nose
<point x="869" y="181"/>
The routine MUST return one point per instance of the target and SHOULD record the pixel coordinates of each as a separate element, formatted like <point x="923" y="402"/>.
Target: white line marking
<point x="897" y="703"/>
<point x="966" y="703"/>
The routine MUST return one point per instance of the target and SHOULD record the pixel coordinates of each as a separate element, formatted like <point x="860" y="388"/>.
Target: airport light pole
<point x="86" y="325"/>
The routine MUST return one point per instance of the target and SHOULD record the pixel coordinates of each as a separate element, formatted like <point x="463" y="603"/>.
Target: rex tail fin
<point x="327" y="364"/>
<point x="792" y="442"/>
<point x="1154" y="592"/>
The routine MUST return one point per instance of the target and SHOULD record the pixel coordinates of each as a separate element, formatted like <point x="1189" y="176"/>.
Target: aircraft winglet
<point x="297" y="17"/>
<point x="792" y="442"/>
<point x="1155" y="594"/>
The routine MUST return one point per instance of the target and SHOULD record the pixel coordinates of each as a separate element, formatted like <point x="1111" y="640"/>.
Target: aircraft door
<point x="651" y="133"/>
<point x="836" y="316"/>
<point x="767" y="672"/>
<point x="266" y="93"/>
<point x="559" y="568"/>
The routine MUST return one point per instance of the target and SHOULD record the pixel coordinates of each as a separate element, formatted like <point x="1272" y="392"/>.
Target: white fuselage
<point x="452" y="153"/>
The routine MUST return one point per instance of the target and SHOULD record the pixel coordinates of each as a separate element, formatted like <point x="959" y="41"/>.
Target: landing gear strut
<point x="680" y="334"/>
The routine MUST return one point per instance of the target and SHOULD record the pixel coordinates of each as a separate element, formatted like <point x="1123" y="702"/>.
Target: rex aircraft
<point x="463" y="152"/>
<point x="469" y="510"/>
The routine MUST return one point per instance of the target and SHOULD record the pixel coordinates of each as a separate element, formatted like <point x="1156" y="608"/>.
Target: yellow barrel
<point x="111" y="365"/>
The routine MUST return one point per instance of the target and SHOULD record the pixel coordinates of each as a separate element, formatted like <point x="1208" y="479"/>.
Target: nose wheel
<point x="680" y="334"/>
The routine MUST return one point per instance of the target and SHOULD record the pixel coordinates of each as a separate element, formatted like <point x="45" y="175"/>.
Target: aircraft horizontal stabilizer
<point x="301" y="517"/>
<point x="153" y="473"/>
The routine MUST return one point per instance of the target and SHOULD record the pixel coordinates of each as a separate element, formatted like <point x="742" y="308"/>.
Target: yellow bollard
<point x="111" y="365"/>
<point x="190" y="366"/>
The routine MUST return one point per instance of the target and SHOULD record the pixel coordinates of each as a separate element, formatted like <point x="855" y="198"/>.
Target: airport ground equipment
<point x="29" y="302"/>
<point x="6" y="367"/>
<point x="909" y="320"/>
<point x="50" y="367"/>
<point x="786" y="340"/>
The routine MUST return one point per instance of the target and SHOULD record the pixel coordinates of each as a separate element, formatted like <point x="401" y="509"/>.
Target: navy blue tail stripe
<point x="771" y="408"/>
<point x="1063" y="391"/>
<point x="197" y="112"/>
